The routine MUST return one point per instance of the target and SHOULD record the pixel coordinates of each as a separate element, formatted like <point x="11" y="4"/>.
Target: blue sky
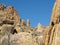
<point x="38" y="11"/>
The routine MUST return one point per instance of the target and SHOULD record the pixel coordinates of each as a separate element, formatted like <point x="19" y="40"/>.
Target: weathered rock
<point x="55" y="18"/>
<point x="23" y="23"/>
<point x="6" y="28"/>
<point x="2" y="7"/>
<point x="39" y="30"/>
<point x="39" y="40"/>
<point x="46" y="35"/>
<point x="40" y="27"/>
<point x="55" y="35"/>
<point x="28" y="22"/>
<point x="22" y="38"/>
<point x="9" y="13"/>
<point x="20" y="33"/>
<point x="18" y="28"/>
<point x="50" y="33"/>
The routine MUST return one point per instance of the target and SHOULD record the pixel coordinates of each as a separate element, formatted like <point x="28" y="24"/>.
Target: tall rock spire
<point x="52" y="32"/>
<point x="55" y="18"/>
<point x="23" y="23"/>
<point x="28" y="22"/>
<point x="39" y="26"/>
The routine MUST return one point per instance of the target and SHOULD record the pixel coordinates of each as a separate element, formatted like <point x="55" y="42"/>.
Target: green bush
<point x="37" y="41"/>
<point x="0" y="33"/>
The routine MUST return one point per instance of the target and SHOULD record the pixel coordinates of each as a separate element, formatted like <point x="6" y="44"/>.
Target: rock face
<point x="51" y="34"/>
<point x="6" y="28"/>
<point x="8" y="15"/>
<point x="55" y="18"/>
<point x="15" y="31"/>
<point x="23" y="23"/>
<point x="54" y="37"/>
<point x="22" y="38"/>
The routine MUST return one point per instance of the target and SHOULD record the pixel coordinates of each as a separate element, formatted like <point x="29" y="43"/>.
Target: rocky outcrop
<point x="6" y="28"/>
<point x="51" y="33"/>
<point x="8" y="15"/>
<point x="23" y="23"/>
<point x="55" y="18"/>
<point x="2" y="7"/>
<point x="22" y="38"/>
<point x="15" y="31"/>
<point x="46" y="34"/>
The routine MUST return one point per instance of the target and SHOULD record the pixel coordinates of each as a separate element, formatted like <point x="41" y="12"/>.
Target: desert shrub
<point x="0" y="33"/>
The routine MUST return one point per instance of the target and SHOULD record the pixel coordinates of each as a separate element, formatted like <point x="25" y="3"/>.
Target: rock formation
<point x="15" y="31"/>
<point x="2" y="7"/>
<point x="51" y="33"/>
<point x="22" y="38"/>
<point x="55" y="18"/>
<point x="28" y="22"/>
<point x="12" y="25"/>
<point x="8" y="15"/>
<point x="23" y="23"/>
